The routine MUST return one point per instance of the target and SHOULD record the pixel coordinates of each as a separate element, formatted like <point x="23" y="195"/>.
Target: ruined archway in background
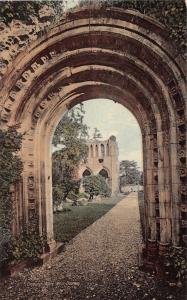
<point x="104" y="173"/>
<point x="115" y="54"/>
<point x="86" y="172"/>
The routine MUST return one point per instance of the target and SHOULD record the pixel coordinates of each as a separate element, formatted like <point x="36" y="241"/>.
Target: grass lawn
<point x="68" y="224"/>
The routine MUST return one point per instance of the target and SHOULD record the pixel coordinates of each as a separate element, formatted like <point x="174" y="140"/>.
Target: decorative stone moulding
<point x="184" y="239"/>
<point x="184" y="208"/>
<point x="115" y="54"/>
<point x="182" y="172"/>
<point x="183" y="223"/>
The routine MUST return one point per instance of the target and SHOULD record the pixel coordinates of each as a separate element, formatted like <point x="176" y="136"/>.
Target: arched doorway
<point x="104" y="173"/>
<point x="114" y="54"/>
<point x="102" y="150"/>
<point x="86" y="173"/>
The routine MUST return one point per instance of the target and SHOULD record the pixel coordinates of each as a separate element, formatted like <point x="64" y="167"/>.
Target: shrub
<point x="26" y="245"/>
<point x="96" y="185"/>
<point x="10" y="173"/>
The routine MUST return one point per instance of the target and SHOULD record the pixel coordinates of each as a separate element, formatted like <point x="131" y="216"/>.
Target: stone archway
<point x="103" y="172"/>
<point x="87" y="172"/>
<point x="115" y="54"/>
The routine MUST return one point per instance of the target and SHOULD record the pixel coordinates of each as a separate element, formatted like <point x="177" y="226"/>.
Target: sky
<point x="71" y="3"/>
<point x="114" y="119"/>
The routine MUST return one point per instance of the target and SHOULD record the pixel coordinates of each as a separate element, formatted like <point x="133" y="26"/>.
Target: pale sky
<point x="114" y="119"/>
<point x="71" y="3"/>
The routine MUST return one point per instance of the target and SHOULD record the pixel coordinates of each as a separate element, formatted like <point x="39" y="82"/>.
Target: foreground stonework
<point x="101" y="262"/>
<point x="102" y="159"/>
<point x="114" y="54"/>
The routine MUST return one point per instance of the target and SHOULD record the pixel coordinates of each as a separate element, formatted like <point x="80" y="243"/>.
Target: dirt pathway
<point x="99" y="263"/>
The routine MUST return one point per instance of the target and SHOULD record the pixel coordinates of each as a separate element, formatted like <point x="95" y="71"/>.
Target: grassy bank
<point x="68" y="224"/>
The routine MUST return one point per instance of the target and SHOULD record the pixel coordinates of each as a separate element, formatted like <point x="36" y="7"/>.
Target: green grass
<point x="68" y="224"/>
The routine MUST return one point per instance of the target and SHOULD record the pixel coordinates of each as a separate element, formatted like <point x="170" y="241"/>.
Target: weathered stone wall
<point x="103" y="155"/>
<point x="114" y="54"/>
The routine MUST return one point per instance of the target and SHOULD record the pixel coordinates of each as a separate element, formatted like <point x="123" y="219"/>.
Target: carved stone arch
<point x="103" y="150"/>
<point x="87" y="172"/>
<point x="105" y="172"/>
<point x="115" y="54"/>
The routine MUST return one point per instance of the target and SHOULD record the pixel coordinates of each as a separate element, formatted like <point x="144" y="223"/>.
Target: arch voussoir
<point x="120" y="55"/>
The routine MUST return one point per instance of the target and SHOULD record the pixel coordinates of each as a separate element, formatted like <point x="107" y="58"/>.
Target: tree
<point x="71" y="135"/>
<point x="96" y="134"/>
<point x="25" y="10"/>
<point x="96" y="185"/>
<point x="129" y="173"/>
<point x="10" y="173"/>
<point x="64" y="176"/>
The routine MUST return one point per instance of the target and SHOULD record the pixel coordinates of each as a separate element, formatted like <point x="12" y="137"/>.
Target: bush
<point x="26" y="245"/>
<point x="10" y="173"/>
<point x="96" y="185"/>
<point x="57" y="194"/>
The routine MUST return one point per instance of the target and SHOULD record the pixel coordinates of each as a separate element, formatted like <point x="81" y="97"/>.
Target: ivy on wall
<point x="171" y="13"/>
<point x="25" y="10"/>
<point x="29" y="243"/>
<point x="10" y="172"/>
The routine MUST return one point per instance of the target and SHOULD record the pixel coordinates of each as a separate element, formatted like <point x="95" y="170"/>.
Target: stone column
<point x="149" y="187"/>
<point x="46" y="187"/>
<point x="164" y="192"/>
<point x="175" y="184"/>
<point x="151" y="234"/>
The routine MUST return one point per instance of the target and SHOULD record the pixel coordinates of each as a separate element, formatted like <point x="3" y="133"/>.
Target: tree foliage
<point x="129" y="173"/>
<point x="96" y="134"/>
<point x="25" y="10"/>
<point x="71" y="135"/>
<point x="96" y="185"/>
<point x="64" y="175"/>
<point x="171" y="13"/>
<point x="10" y="172"/>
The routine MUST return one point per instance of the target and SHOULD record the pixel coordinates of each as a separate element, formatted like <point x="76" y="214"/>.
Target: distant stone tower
<point x="102" y="159"/>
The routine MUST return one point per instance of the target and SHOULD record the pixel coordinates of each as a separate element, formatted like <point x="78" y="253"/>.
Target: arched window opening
<point x="91" y="151"/>
<point x="102" y="150"/>
<point x="86" y="173"/>
<point x="96" y="151"/>
<point x="107" y="150"/>
<point x="104" y="173"/>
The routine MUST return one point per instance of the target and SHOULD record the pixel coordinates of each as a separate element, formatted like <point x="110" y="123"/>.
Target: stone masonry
<point x="102" y="159"/>
<point x="92" y="53"/>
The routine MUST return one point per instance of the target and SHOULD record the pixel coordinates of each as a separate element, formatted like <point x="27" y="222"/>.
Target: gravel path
<point x="99" y="263"/>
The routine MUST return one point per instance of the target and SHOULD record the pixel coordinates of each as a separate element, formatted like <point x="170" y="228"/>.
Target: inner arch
<point x="79" y="59"/>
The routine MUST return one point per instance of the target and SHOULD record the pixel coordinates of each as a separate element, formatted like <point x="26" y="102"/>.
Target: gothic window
<point x="104" y="173"/>
<point x="96" y="151"/>
<point x="91" y="151"/>
<point x="107" y="150"/>
<point x="102" y="150"/>
<point x="86" y="173"/>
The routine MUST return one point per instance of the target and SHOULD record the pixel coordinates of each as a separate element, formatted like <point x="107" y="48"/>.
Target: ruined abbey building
<point x="110" y="53"/>
<point x="103" y="160"/>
